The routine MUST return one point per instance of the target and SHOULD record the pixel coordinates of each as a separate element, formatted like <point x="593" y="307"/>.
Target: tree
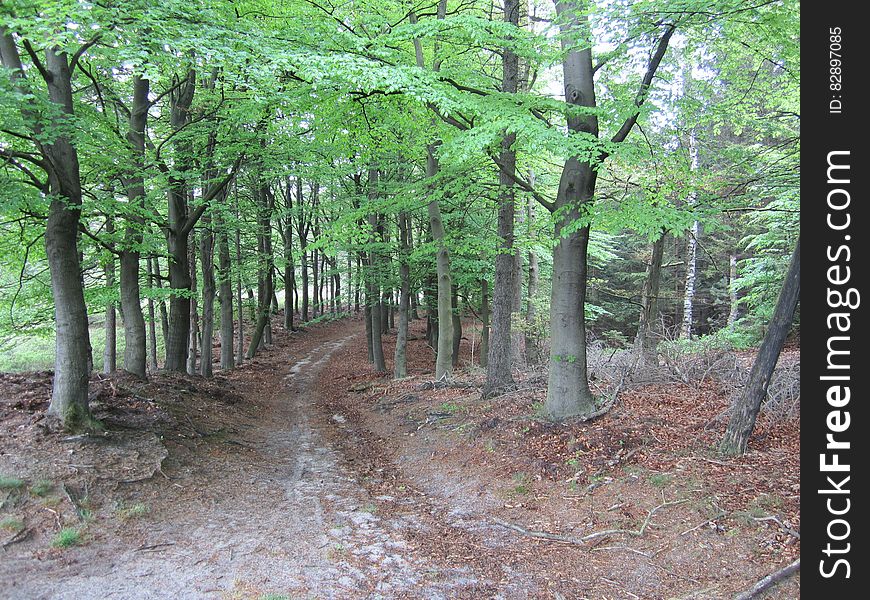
<point x="57" y="157"/>
<point x="746" y="407"/>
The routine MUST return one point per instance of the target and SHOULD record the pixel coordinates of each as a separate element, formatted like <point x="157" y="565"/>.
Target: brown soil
<point x="303" y="474"/>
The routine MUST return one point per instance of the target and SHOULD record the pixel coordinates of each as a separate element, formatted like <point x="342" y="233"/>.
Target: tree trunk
<point x="225" y="285"/>
<point x="374" y="277"/>
<point x="240" y="328"/>
<point x="499" y="366"/>
<point x="400" y="368"/>
<point x="152" y="321"/>
<point x="161" y="304"/>
<point x="457" y="327"/>
<point x="691" y="255"/>
<point x="734" y="305"/>
<point x="746" y="408"/>
<point x="69" y="395"/>
<point x="194" y="314"/>
<point x="131" y="297"/>
<point x="110" y="352"/>
<point x="444" y="354"/>
<point x="178" y="232"/>
<point x="289" y="275"/>
<point x="206" y="257"/>
<point x="484" y="318"/>
<point x="532" y="341"/>
<point x="646" y="341"/>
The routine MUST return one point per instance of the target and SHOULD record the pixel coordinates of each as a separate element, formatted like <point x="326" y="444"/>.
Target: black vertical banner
<point x="834" y="301"/>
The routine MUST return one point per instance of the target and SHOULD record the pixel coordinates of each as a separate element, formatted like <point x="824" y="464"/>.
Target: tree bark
<point x="194" y="305"/>
<point x="240" y="328"/>
<point x="131" y="298"/>
<point x="152" y="321"/>
<point x="289" y="267"/>
<point x="691" y="255"/>
<point x="646" y="341"/>
<point x="206" y="258"/>
<point x="444" y="353"/>
<point x="745" y="410"/>
<point x="177" y="233"/>
<point x="374" y="278"/>
<point x="400" y="369"/>
<point x="225" y="285"/>
<point x="532" y="341"/>
<point x="734" y="304"/>
<point x="484" y="318"/>
<point x="457" y="327"/>
<point x="499" y="367"/>
<point x="110" y="352"/>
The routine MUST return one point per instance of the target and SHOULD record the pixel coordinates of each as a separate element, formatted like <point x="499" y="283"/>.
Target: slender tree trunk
<point x="110" y="352"/>
<point x="734" y="304"/>
<point x="131" y="297"/>
<point x="746" y="408"/>
<point x="194" y="312"/>
<point x="161" y="304"/>
<point x="400" y="368"/>
<point x="444" y="355"/>
<point x="374" y="278"/>
<point x="206" y="257"/>
<point x="289" y="276"/>
<point x="457" y="327"/>
<point x="691" y="255"/>
<point x="225" y="285"/>
<point x="152" y="321"/>
<point x="485" y="322"/>
<point x="499" y="375"/>
<point x="646" y="341"/>
<point x="240" y="328"/>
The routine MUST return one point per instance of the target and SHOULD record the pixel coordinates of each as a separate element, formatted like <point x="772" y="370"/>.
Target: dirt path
<point x="302" y="474"/>
<point x="280" y="516"/>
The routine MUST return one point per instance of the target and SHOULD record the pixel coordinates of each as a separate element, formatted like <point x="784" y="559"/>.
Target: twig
<point x="582" y="541"/>
<point x="782" y="526"/>
<point x="769" y="581"/>
<point x="707" y="522"/>
<point x="153" y="546"/>
<point x="625" y="548"/>
<point x="18" y="537"/>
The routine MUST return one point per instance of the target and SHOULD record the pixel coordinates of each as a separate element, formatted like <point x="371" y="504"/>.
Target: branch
<point x="84" y="48"/>
<point x="194" y="216"/>
<point x="99" y="242"/>
<point x="769" y="581"/>
<point x="36" y="62"/>
<point x="642" y="92"/>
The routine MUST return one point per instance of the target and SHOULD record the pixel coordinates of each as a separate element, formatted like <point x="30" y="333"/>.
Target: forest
<point x="556" y="242"/>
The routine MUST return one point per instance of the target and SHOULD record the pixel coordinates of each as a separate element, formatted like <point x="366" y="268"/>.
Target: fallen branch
<point x="18" y="537"/>
<point x="154" y="546"/>
<point x="782" y="526"/>
<point x="769" y="581"/>
<point x="582" y="541"/>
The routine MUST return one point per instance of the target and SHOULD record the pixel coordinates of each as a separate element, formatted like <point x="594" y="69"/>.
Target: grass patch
<point x="450" y="407"/>
<point x="43" y="488"/>
<point x="273" y="597"/>
<point x="660" y="480"/>
<point x="133" y="511"/>
<point x="12" y="524"/>
<point x="66" y="538"/>
<point x="10" y="483"/>
<point x="523" y="485"/>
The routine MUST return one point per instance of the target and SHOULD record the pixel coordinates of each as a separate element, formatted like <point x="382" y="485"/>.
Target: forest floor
<point x="304" y="474"/>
